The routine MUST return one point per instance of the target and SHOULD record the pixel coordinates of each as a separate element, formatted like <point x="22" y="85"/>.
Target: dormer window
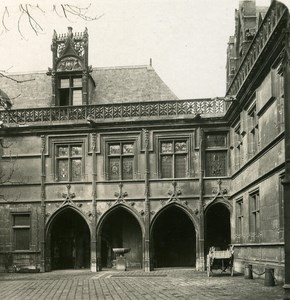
<point x="70" y="91"/>
<point x="70" y="71"/>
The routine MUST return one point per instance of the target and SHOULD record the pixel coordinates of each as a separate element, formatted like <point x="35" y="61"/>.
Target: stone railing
<point x="120" y="111"/>
<point x="272" y="18"/>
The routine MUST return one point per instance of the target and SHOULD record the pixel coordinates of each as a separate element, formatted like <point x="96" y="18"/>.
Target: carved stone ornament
<point x="174" y="195"/>
<point x="69" y="64"/>
<point x="68" y="196"/>
<point x="120" y="195"/>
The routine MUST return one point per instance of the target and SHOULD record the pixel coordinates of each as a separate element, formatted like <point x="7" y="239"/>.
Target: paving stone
<point x="136" y="284"/>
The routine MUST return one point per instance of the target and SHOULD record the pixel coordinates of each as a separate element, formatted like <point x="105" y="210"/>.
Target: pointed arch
<point x="180" y="206"/>
<point x="120" y="227"/>
<point x="218" y="225"/>
<point x="68" y="236"/>
<point x="173" y="237"/>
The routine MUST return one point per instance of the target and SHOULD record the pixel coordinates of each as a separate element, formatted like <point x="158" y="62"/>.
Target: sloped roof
<point x="112" y="85"/>
<point x="127" y="84"/>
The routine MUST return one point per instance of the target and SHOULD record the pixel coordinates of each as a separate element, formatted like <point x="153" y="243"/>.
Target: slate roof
<point x="112" y="85"/>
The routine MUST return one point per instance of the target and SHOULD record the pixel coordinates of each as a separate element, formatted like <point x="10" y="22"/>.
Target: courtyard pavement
<point x="158" y="284"/>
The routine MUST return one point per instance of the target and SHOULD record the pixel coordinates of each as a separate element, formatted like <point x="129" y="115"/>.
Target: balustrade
<point x="114" y="111"/>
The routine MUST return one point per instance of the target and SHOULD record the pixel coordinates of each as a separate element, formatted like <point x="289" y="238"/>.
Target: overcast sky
<point x="186" y="39"/>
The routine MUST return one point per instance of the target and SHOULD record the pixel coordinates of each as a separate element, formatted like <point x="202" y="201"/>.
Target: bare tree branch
<point x="13" y="79"/>
<point x="6" y="12"/>
<point x="30" y="11"/>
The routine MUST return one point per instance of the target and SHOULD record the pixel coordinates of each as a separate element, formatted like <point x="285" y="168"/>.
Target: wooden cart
<point x="222" y="260"/>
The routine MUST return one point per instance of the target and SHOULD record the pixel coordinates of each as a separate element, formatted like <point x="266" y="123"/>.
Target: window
<point x="21" y="231"/>
<point x="239" y="220"/>
<point x="70" y="91"/>
<point x="254" y="216"/>
<point x="173" y="158"/>
<point x="216" y="155"/>
<point x="238" y="147"/>
<point x="69" y="162"/>
<point x="253" y="131"/>
<point x="121" y="160"/>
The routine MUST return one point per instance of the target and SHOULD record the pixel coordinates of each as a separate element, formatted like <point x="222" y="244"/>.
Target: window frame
<point x="253" y="137"/>
<point x="173" y="154"/>
<point x="18" y="228"/>
<point x="121" y="157"/>
<point x="70" y="88"/>
<point x="218" y="149"/>
<point x="239" y="219"/>
<point x="69" y="158"/>
<point x="255" y="216"/>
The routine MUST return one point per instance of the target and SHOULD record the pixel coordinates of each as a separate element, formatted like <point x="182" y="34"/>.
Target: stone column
<point x="201" y="263"/>
<point x="43" y="207"/>
<point x="286" y="73"/>
<point x="146" y="260"/>
<point x="94" y="262"/>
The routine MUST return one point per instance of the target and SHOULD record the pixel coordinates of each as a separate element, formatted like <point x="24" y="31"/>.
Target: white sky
<point x="186" y="39"/>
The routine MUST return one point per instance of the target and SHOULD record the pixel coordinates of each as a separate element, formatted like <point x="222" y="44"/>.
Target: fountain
<point x="120" y="258"/>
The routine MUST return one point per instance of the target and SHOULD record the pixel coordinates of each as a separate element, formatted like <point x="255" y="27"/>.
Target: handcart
<point x="222" y="260"/>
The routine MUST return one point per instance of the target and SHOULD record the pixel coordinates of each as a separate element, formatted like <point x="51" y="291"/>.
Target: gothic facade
<point x="99" y="158"/>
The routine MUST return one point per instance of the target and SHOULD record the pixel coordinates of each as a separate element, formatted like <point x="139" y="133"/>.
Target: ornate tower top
<point x="70" y="51"/>
<point x="70" y="69"/>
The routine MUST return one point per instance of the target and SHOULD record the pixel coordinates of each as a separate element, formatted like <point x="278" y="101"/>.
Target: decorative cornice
<point x="268" y="26"/>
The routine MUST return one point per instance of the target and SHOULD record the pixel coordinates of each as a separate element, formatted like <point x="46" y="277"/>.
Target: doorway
<point x="174" y="239"/>
<point x="70" y="241"/>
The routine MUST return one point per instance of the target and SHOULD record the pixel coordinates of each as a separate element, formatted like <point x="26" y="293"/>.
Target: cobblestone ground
<point x="159" y="284"/>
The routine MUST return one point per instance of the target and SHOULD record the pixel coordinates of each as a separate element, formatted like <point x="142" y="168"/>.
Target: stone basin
<point x="121" y="251"/>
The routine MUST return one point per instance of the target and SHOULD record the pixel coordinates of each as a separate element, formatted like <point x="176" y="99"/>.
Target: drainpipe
<point x="94" y="260"/>
<point x="286" y="182"/>
<point x="43" y="206"/>
<point x="147" y="205"/>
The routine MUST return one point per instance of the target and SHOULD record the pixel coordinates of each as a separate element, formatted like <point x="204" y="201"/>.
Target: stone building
<point x="99" y="158"/>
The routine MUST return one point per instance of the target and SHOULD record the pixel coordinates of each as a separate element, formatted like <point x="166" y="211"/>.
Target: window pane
<point x="77" y="82"/>
<point x="63" y="170"/>
<point x="166" y="147"/>
<point x="77" y="97"/>
<point x="180" y="147"/>
<point x="216" y="140"/>
<point x="76" y="150"/>
<point x="166" y="166"/>
<point x="21" y="236"/>
<point x="114" y="149"/>
<point x="76" y="169"/>
<point x="114" y="172"/>
<point x="62" y="151"/>
<point x="127" y="148"/>
<point x="64" y="83"/>
<point x="215" y="163"/>
<point x="180" y="166"/>
<point x="127" y="168"/>
<point x="22" y="220"/>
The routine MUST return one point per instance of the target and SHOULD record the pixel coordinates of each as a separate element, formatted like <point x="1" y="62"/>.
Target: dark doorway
<point x="217" y="227"/>
<point x="174" y="239"/>
<point x="70" y="241"/>
<point x="121" y="230"/>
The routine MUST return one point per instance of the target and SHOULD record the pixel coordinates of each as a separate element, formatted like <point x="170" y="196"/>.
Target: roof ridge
<point x="123" y="67"/>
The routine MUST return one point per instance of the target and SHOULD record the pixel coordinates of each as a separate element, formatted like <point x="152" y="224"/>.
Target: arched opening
<point x="174" y="239"/>
<point x="69" y="241"/>
<point x="217" y="227"/>
<point x="120" y="229"/>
